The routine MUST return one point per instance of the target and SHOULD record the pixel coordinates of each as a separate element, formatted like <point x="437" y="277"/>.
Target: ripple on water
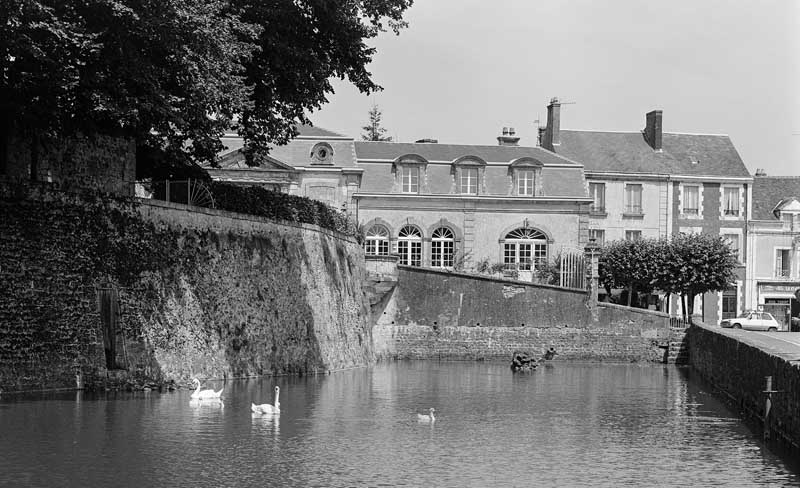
<point x="572" y="425"/>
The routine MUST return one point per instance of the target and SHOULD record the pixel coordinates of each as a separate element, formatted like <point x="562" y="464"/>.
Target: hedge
<point x="255" y="200"/>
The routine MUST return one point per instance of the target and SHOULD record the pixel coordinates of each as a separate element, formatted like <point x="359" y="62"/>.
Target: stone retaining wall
<point x="434" y="314"/>
<point x="738" y="368"/>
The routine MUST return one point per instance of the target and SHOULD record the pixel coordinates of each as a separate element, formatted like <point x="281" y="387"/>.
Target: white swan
<point x="427" y="418"/>
<point x="266" y="408"/>
<point x="205" y="394"/>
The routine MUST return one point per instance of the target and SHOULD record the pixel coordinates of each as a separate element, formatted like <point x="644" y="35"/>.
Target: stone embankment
<point x="147" y="292"/>
<point x="433" y="314"/>
<point x="737" y="364"/>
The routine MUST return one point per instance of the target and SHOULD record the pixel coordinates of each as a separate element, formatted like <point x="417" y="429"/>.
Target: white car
<point x="753" y="321"/>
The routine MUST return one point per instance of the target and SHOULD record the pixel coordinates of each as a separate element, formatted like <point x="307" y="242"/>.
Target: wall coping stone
<point x="461" y="274"/>
<point x="643" y="311"/>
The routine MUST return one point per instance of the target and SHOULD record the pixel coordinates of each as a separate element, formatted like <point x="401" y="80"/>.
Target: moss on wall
<point x="209" y="295"/>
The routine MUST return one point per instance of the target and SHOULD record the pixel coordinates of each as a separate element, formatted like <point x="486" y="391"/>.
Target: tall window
<point x="733" y="243"/>
<point x="633" y="199"/>
<point x="525" y="249"/>
<point x="442" y="248"/>
<point x="376" y="242"/>
<point x="729" y="303"/>
<point x="469" y="181"/>
<point x="410" y="179"/>
<point x="525" y="179"/>
<point x="599" y="236"/>
<point x="409" y="246"/>
<point x="633" y="235"/>
<point x="783" y="265"/>
<point x="730" y="201"/>
<point x="691" y="200"/>
<point x="598" y="194"/>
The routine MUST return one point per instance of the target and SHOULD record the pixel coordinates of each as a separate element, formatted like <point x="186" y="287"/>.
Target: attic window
<point x="322" y="153"/>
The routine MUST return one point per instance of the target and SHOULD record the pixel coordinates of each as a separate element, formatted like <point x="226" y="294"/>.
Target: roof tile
<point x="768" y="191"/>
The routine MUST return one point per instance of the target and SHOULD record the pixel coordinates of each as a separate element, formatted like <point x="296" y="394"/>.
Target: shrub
<point x="259" y="201"/>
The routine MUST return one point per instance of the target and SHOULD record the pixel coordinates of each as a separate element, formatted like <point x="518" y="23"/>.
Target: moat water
<point x="568" y="424"/>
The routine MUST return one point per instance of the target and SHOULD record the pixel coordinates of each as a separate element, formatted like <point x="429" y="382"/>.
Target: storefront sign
<point x="792" y="288"/>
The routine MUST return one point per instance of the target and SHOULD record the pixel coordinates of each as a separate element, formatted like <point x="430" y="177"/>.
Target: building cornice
<point x="473" y="198"/>
<point x="488" y="163"/>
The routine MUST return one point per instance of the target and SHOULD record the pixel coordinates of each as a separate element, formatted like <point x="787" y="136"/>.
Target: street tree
<point x="629" y="265"/>
<point x="694" y="264"/>
<point x="175" y="74"/>
<point x="374" y="131"/>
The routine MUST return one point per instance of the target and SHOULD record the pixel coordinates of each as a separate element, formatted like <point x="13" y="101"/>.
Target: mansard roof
<point x="297" y="153"/>
<point x="628" y="152"/>
<point x="769" y="191"/>
<point x="389" y="151"/>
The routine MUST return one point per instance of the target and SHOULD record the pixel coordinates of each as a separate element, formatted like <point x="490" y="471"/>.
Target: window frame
<point x="629" y="207"/>
<point x="634" y="232"/>
<point x="594" y="207"/>
<point x="689" y="212"/>
<point x="413" y="172"/>
<point x="522" y="176"/>
<point x="528" y="252"/>
<point x="724" y="201"/>
<point x="380" y="242"/>
<point x="602" y="233"/>
<point x="468" y="171"/>
<point x="443" y="247"/>
<point x="409" y="245"/>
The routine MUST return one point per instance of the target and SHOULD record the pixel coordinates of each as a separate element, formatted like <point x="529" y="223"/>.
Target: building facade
<point x="773" y="235"/>
<point x="449" y="205"/>
<point x="650" y="183"/>
<point x="317" y="164"/>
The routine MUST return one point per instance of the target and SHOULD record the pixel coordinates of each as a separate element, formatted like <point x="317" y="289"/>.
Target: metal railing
<point x="188" y="192"/>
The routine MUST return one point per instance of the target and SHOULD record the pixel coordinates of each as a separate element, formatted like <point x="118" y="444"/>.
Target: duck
<point x="427" y="418"/>
<point x="205" y="394"/>
<point x="266" y="408"/>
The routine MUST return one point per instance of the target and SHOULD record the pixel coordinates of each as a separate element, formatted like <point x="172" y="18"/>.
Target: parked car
<point x="753" y="321"/>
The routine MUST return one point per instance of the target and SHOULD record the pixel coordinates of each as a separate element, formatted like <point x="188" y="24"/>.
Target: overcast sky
<point x="466" y="68"/>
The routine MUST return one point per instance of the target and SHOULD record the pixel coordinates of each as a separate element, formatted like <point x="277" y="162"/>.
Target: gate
<point x="108" y="307"/>
<point x="571" y="268"/>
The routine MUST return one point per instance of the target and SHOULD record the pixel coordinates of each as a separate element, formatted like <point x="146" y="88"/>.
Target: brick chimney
<point x="652" y="131"/>
<point x="552" y="133"/>
<point x="508" y="138"/>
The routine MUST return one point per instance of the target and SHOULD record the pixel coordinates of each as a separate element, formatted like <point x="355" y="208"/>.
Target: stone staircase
<point x="678" y="347"/>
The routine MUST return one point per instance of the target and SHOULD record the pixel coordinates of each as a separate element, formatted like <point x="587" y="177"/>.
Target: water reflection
<point x="570" y="424"/>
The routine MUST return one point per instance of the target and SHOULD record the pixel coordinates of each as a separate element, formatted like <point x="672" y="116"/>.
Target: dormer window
<point x="468" y="173"/>
<point x="322" y="153"/>
<point x="525" y="174"/>
<point x="409" y="172"/>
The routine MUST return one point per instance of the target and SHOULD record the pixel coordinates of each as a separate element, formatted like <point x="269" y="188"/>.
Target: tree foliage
<point x="175" y="74"/>
<point x="687" y="265"/>
<point x="374" y="131"/>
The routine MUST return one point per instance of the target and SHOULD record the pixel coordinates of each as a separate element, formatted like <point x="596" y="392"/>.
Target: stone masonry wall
<point x="738" y="369"/>
<point x="201" y="292"/>
<point x="439" y="315"/>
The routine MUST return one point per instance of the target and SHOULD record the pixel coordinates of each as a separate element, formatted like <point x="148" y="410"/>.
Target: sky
<point x="464" y="69"/>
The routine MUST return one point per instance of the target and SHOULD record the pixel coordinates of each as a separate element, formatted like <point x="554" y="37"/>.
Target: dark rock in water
<point x="522" y="361"/>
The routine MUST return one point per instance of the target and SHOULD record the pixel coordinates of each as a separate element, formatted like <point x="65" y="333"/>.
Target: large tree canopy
<point x="686" y="264"/>
<point x="174" y="74"/>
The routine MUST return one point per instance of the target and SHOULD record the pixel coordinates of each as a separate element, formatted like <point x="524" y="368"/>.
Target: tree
<point x="373" y="131"/>
<point x="686" y="265"/>
<point x="630" y="265"/>
<point x="174" y="74"/>
<point x="694" y="264"/>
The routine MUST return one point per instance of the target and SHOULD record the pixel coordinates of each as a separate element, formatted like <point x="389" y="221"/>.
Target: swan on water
<point x="427" y="418"/>
<point x="266" y="408"/>
<point x="205" y="394"/>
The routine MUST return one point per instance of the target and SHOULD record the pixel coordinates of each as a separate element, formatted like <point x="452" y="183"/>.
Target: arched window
<point x="442" y="248"/>
<point x="409" y="246"/>
<point x="376" y="242"/>
<point x="525" y="249"/>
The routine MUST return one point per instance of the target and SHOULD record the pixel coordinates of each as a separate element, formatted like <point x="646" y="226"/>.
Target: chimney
<point x="760" y="172"/>
<point x="552" y="133"/>
<point x="652" y="131"/>
<point x="540" y="136"/>
<point x="508" y="138"/>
